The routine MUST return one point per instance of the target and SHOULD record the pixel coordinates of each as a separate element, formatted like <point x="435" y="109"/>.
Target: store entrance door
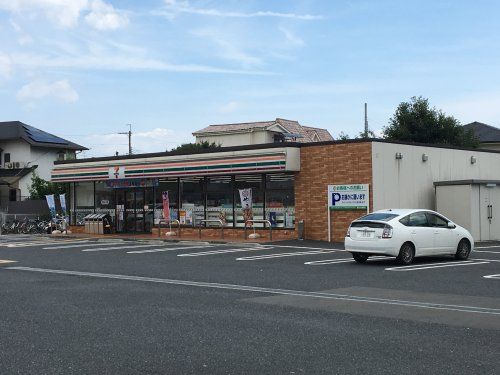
<point x="131" y="211"/>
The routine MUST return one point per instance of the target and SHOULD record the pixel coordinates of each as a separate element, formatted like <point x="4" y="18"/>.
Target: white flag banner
<point x="246" y="198"/>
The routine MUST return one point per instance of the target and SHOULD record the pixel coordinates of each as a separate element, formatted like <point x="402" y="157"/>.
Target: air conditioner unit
<point x="9" y="165"/>
<point x="16" y="164"/>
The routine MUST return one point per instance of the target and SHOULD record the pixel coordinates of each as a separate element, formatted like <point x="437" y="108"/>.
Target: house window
<point x="6" y="157"/>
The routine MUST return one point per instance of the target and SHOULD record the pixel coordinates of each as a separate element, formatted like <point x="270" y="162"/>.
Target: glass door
<point x="139" y="210"/>
<point x="120" y="212"/>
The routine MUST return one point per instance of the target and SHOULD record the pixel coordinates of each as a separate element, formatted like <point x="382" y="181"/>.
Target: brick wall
<point x="323" y="165"/>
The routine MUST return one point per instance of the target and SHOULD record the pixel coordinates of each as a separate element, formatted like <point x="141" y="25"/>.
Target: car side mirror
<point x="451" y="225"/>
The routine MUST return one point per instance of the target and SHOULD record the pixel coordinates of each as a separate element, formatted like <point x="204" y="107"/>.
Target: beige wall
<point x="238" y="139"/>
<point x="408" y="183"/>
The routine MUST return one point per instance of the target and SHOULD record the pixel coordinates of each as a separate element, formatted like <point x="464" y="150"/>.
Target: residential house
<point x="489" y="136"/>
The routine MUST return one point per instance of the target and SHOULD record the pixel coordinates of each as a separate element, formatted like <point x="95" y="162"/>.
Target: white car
<point x="405" y="234"/>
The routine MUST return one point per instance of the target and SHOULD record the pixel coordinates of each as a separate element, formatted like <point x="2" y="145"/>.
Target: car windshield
<point x="379" y="216"/>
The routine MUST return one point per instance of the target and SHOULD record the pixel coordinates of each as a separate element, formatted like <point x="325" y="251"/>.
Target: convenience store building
<point x="290" y="182"/>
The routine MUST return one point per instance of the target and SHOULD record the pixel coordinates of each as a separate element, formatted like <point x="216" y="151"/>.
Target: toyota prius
<point x="405" y="234"/>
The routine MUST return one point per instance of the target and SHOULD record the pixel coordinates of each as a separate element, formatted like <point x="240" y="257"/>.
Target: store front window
<point x="280" y="200"/>
<point x="220" y="200"/>
<point x="84" y="201"/>
<point x="105" y="200"/>
<point x="192" y="208"/>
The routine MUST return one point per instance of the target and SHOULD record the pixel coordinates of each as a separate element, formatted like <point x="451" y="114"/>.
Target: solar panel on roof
<point x="37" y="135"/>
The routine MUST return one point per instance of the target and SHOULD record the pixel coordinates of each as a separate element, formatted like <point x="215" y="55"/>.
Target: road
<point x="72" y="306"/>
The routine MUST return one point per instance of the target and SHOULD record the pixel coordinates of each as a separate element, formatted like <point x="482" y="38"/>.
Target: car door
<point x="444" y="237"/>
<point x="421" y="234"/>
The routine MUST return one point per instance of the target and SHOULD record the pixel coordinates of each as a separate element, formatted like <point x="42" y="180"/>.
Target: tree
<point x="416" y="121"/>
<point x="343" y="136"/>
<point x="366" y="135"/>
<point x="197" y="147"/>
<point x="39" y="187"/>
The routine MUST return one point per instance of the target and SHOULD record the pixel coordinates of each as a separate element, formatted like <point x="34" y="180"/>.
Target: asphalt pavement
<point x="82" y="306"/>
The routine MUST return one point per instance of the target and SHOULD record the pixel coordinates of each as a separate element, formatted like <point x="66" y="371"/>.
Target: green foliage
<point x="197" y="147"/>
<point x="343" y="136"/>
<point x="416" y="121"/>
<point x="366" y="135"/>
<point x="39" y="187"/>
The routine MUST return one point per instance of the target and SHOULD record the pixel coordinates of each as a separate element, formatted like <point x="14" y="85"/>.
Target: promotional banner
<point x="246" y="204"/>
<point x="62" y="199"/>
<point x="166" y="206"/>
<point x="52" y="204"/>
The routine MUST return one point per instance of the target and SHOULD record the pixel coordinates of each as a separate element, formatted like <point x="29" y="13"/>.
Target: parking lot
<point x="118" y="306"/>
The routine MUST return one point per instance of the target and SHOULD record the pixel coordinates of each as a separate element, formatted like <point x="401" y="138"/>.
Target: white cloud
<point x="5" y="66"/>
<point x="40" y="89"/>
<point x="105" y="17"/>
<point x="229" y="107"/>
<point x="22" y="37"/>
<point x="174" y="7"/>
<point x="154" y="140"/>
<point x="228" y="49"/>
<point x="291" y="37"/>
<point x="110" y="61"/>
<point x="66" y="13"/>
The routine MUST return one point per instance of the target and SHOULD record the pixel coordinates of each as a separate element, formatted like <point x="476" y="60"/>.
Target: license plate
<point x="366" y="234"/>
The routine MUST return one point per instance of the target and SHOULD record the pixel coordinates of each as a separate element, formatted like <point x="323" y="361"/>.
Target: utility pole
<point x="366" y="120"/>
<point x="129" y="133"/>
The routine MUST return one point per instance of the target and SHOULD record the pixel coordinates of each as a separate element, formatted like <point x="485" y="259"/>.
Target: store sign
<point x="116" y="173"/>
<point x="132" y="183"/>
<point x="348" y="197"/>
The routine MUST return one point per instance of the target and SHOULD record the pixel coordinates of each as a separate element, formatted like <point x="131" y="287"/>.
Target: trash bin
<point x="89" y="223"/>
<point x="301" y="229"/>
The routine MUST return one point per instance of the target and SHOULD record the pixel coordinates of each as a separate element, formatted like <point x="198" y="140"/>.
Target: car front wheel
<point x="463" y="250"/>
<point x="360" y="257"/>
<point x="406" y="254"/>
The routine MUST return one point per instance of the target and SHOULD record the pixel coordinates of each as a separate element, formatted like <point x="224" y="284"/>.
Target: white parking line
<point x="41" y="242"/>
<point x="307" y="247"/>
<point x="486" y="251"/>
<point x="124" y="247"/>
<point x="282" y="255"/>
<point x="85" y="244"/>
<point x="320" y="295"/>
<point x="223" y="251"/>
<point x="165" y="249"/>
<point x="418" y="267"/>
<point x="487" y="247"/>
<point x="492" y="276"/>
<point x="335" y="261"/>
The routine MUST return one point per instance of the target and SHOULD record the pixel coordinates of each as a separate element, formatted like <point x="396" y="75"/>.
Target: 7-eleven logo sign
<point x="116" y="173"/>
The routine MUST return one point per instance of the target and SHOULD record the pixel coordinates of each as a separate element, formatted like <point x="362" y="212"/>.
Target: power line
<point x="129" y="133"/>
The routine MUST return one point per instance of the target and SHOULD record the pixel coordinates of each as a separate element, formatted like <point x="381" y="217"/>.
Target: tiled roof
<point x="485" y="133"/>
<point x="309" y="134"/>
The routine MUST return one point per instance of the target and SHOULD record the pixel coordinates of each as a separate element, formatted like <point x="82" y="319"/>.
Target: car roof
<point x="401" y="211"/>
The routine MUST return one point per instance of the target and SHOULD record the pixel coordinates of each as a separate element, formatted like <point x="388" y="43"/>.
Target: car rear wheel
<point x="406" y="254"/>
<point x="360" y="257"/>
<point x="463" y="250"/>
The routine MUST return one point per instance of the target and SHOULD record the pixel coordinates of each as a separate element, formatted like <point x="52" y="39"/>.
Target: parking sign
<point x="348" y="197"/>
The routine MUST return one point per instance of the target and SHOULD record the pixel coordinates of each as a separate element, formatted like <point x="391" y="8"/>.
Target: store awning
<point x="280" y="159"/>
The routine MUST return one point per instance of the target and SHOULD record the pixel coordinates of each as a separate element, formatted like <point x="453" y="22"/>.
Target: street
<point x="114" y="306"/>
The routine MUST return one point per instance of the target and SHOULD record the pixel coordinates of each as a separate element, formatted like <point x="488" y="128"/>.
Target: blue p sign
<point x="335" y="198"/>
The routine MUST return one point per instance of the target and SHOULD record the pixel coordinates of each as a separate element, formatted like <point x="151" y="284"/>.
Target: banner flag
<point x="52" y="204"/>
<point x="246" y="204"/>
<point x="166" y="206"/>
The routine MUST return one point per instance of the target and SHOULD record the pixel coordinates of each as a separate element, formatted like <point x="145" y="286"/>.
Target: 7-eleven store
<point x="200" y="186"/>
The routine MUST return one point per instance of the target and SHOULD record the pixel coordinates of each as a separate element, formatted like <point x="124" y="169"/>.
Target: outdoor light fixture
<point x="425" y="157"/>
<point x="473" y="160"/>
<point x="399" y="156"/>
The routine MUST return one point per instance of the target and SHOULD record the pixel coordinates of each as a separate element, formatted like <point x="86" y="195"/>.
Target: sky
<point x="84" y="69"/>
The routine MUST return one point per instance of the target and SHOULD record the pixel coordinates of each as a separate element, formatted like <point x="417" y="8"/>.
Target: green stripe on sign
<point x="333" y="208"/>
